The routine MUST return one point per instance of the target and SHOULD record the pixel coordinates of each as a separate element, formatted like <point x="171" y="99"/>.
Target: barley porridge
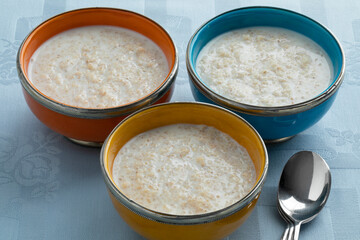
<point x="184" y="169"/>
<point x="97" y="67"/>
<point x="264" y="66"/>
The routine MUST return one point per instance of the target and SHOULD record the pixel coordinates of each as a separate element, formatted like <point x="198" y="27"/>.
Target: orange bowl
<point x="91" y="126"/>
<point x="212" y="225"/>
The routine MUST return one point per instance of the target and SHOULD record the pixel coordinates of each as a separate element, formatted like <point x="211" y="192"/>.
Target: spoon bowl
<point x="304" y="188"/>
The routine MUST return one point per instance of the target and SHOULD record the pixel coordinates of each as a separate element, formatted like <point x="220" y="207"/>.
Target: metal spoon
<point x="304" y="188"/>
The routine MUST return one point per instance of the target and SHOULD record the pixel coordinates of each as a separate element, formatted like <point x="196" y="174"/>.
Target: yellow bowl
<point x="212" y="225"/>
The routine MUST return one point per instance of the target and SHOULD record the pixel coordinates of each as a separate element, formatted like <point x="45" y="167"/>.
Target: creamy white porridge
<point x="184" y="169"/>
<point x="97" y="67"/>
<point x="264" y="66"/>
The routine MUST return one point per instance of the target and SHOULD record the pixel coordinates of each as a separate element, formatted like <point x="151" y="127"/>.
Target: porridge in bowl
<point x="98" y="67"/>
<point x="264" y="66"/>
<point x="184" y="169"/>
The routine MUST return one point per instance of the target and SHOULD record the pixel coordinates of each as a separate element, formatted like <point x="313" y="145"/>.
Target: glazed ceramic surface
<point x="213" y="225"/>
<point x="273" y="123"/>
<point x="83" y="125"/>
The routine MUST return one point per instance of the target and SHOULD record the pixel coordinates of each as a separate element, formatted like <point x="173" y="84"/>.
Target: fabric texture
<point x="51" y="188"/>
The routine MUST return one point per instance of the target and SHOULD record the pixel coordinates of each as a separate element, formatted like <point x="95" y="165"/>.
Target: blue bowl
<point x="273" y="123"/>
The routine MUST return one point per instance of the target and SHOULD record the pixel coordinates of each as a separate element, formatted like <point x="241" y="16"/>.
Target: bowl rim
<point x="263" y="110"/>
<point x="98" y="113"/>
<point x="184" y="219"/>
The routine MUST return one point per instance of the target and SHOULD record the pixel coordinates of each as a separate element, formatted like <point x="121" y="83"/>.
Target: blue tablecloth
<point x="53" y="189"/>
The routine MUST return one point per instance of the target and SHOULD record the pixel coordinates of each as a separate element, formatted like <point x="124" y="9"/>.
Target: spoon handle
<point x="297" y="230"/>
<point x="288" y="233"/>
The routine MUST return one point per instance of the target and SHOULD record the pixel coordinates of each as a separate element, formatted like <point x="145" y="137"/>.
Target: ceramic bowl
<point x="157" y="225"/>
<point x="273" y="123"/>
<point x="86" y="125"/>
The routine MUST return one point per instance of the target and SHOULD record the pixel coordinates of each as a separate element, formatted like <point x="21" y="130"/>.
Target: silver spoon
<point x="304" y="188"/>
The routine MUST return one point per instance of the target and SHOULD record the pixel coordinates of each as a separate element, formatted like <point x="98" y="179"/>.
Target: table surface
<point x="51" y="188"/>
